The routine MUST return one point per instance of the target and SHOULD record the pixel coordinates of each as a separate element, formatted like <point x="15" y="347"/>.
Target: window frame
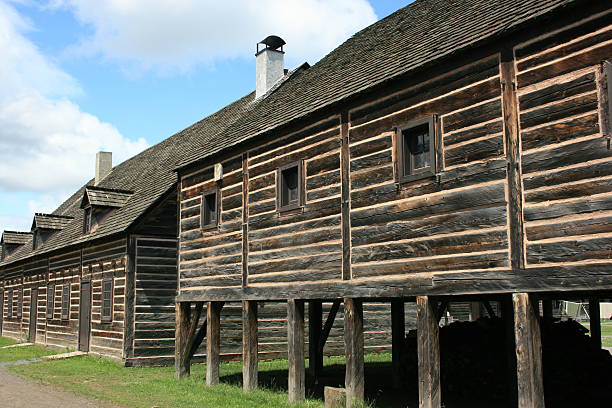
<point x="10" y="303"/>
<point x="104" y="318"/>
<point x="20" y="303"/>
<point x="215" y="224"/>
<point x="65" y="310"/>
<point x="299" y="203"/>
<point x="87" y="219"/>
<point x="50" y="301"/>
<point x="424" y="172"/>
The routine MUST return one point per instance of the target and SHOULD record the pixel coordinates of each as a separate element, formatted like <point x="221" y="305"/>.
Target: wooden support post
<point x="181" y="364"/>
<point x="507" y="313"/>
<point x="315" y="324"/>
<point x="398" y="334"/>
<point x="595" y="322"/>
<point x="249" y="345"/>
<point x="547" y="309"/>
<point x="474" y="311"/>
<point x="295" y="348"/>
<point x="353" y="345"/>
<point x="213" y="342"/>
<point x="528" y="351"/>
<point x="428" y="349"/>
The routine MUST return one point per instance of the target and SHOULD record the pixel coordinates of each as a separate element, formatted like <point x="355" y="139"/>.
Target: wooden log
<point x="353" y="344"/>
<point x="295" y="349"/>
<point x="315" y="323"/>
<point x="249" y="345"/>
<point x="329" y="323"/>
<point x="181" y="365"/>
<point x="547" y="309"/>
<point x="595" y="322"/>
<point x="528" y="351"/>
<point x="428" y="349"/>
<point x="398" y="333"/>
<point x="507" y="313"/>
<point x="513" y="155"/>
<point x="213" y="342"/>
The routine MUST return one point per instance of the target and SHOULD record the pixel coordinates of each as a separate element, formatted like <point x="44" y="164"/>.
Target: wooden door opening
<point x="85" y="316"/>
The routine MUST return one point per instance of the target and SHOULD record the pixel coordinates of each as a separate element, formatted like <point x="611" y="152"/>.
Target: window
<point x="66" y="302"/>
<point x="210" y="209"/>
<point x="19" y="303"/>
<point x="87" y="220"/>
<point x="9" y="304"/>
<point x="50" y="301"/>
<point x="289" y="187"/>
<point x="416" y="150"/>
<point x="107" y="300"/>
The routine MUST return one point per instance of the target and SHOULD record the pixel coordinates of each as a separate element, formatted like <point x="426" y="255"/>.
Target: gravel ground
<point x="16" y="392"/>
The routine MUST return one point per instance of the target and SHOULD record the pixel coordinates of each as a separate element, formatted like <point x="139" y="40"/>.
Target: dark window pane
<point x="107" y="300"/>
<point x="210" y="209"/>
<point x="416" y="152"/>
<point x="50" y="301"/>
<point x="65" y="302"/>
<point x="290" y="185"/>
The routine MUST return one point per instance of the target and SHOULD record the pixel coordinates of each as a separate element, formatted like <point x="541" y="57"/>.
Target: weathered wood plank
<point x="528" y="351"/>
<point x="428" y="350"/>
<point x="353" y="342"/>
<point x="295" y="349"/>
<point x="249" y="345"/>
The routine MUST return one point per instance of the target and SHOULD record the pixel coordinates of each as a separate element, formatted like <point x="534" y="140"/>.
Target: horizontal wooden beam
<point x="578" y="278"/>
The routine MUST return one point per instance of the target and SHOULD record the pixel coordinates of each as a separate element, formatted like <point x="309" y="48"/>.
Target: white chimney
<point x="270" y="65"/>
<point x="104" y="165"/>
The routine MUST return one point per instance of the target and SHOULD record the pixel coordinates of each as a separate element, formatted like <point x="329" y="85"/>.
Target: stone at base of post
<point x="334" y="397"/>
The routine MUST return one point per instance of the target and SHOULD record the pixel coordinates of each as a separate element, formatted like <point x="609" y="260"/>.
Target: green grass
<point x="141" y="387"/>
<point x="156" y="386"/>
<point x="4" y="341"/>
<point x="23" y="353"/>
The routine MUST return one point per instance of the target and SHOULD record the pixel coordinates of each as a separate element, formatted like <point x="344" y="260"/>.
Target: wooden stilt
<point x="595" y="322"/>
<point x="528" y="351"/>
<point x="295" y="348"/>
<point x="507" y="313"/>
<point x="398" y="334"/>
<point x="315" y="324"/>
<point x="183" y="314"/>
<point x="474" y="311"/>
<point x="249" y="345"/>
<point x="547" y="309"/>
<point x="428" y="349"/>
<point x="213" y="342"/>
<point x="353" y="344"/>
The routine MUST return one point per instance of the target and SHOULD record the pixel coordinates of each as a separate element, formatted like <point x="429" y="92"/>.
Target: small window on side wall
<point x="87" y="220"/>
<point x="20" y="303"/>
<point x="50" y="301"/>
<point x="107" y="301"/>
<point x="210" y="209"/>
<point x="290" y="187"/>
<point x="66" y="302"/>
<point x="416" y="150"/>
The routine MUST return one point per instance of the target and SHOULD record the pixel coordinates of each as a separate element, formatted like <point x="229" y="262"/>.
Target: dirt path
<point x="16" y="392"/>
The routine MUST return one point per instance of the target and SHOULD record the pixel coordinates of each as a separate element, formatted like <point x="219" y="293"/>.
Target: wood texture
<point x="595" y="322"/>
<point x="353" y="342"/>
<point x="295" y="349"/>
<point x="528" y="351"/>
<point x="428" y="349"/>
<point x="249" y="345"/>
<point x="183" y="318"/>
<point x="213" y="342"/>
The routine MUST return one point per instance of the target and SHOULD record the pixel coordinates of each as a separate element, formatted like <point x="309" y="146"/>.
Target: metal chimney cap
<point x="272" y="42"/>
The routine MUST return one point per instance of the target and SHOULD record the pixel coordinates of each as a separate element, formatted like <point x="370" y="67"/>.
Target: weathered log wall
<point x="566" y="158"/>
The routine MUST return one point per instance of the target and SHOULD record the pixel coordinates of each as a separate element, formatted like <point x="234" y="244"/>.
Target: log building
<point x="455" y="150"/>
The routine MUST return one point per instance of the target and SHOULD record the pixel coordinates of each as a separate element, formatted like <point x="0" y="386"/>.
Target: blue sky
<point x="81" y="76"/>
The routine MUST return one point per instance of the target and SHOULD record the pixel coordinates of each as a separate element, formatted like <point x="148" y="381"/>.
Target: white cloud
<point x="47" y="144"/>
<point x="170" y="35"/>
